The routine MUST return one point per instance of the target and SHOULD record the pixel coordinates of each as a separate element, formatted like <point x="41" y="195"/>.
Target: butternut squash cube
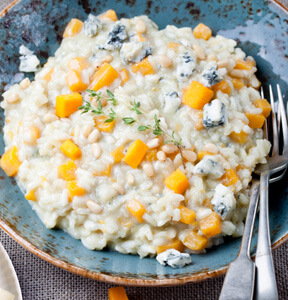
<point x="144" y="67"/>
<point x="177" y="182"/>
<point x="240" y="137"/>
<point x="102" y="125"/>
<point x="265" y="105"/>
<point x="230" y="177"/>
<point x="118" y="154"/>
<point x="103" y="77"/>
<point x="135" y="153"/>
<point x="70" y="149"/>
<point x="174" y="46"/>
<point x="202" y="31"/>
<point x="151" y="155"/>
<point x="124" y="76"/>
<point x="67" y="104"/>
<point x="197" y="95"/>
<point x="117" y="293"/>
<point x="47" y="77"/>
<point x="195" y="241"/>
<point x="74" y="190"/>
<point x="75" y="82"/>
<point x="244" y="64"/>
<point x="109" y="14"/>
<point x="222" y="86"/>
<point x="31" y="195"/>
<point x="67" y="171"/>
<point x="201" y="154"/>
<point x="136" y="209"/>
<point x="105" y="172"/>
<point x="255" y="121"/>
<point x="78" y="63"/>
<point x="73" y="28"/>
<point x="187" y="216"/>
<point x="211" y="225"/>
<point x="10" y="162"/>
<point x="238" y="83"/>
<point x="174" y="244"/>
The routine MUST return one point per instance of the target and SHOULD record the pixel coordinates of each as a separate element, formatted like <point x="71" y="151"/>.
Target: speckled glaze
<point x="260" y="27"/>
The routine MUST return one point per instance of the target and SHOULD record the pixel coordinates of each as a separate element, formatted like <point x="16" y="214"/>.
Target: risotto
<point x="139" y="139"/>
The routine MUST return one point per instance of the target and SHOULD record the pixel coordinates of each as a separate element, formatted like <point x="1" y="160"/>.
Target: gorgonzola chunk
<point x="116" y="37"/>
<point x="171" y="103"/>
<point x="174" y="258"/>
<point x="186" y="65"/>
<point x="28" y="61"/>
<point x="91" y="25"/>
<point x="135" y="52"/>
<point x="209" y="166"/>
<point x="214" y="114"/>
<point x="210" y="76"/>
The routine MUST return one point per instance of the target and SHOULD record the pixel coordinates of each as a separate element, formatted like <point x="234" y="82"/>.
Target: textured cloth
<point x="40" y="280"/>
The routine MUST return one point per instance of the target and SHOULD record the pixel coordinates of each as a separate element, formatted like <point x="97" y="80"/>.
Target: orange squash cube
<point x="109" y="14"/>
<point x="211" y="225"/>
<point x="67" y="171"/>
<point x="230" y="177"/>
<point x="124" y="76"/>
<point x="74" y="190"/>
<point x="151" y="155"/>
<point x="75" y="82"/>
<point x="48" y="76"/>
<point x="144" y="67"/>
<point x="118" y="154"/>
<point x="103" y="77"/>
<point x="265" y="105"/>
<point x="67" y="104"/>
<point x="73" y="28"/>
<point x="255" y="121"/>
<point x="237" y="83"/>
<point x="102" y="125"/>
<point x="135" y="153"/>
<point x="244" y="64"/>
<point x="201" y="154"/>
<point x="70" y="149"/>
<point x="10" y="162"/>
<point x="222" y="86"/>
<point x="117" y="293"/>
<point x="177" y="182"/>
<point x="136" y="209"/>
<point x="105" y="172"/>
<point x="240" y="137"/>
<point x="187" y="216"/>
<point x="31" y="195"/>
<point x="197" y="95"/>
<point x="174" y="46"/>
<point x="195" y="241"/>
<point x="78" y="63"/>
<point x="174" y="244"/>
<point x="202" y="31"/>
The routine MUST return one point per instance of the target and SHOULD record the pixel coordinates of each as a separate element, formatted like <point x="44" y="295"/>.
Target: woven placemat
<point x="40" y="280"/>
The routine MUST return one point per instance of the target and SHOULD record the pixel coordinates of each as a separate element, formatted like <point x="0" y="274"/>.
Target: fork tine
<point x="274" y="124"/>
<point x="262" y="92"/>
<point x="281" y="112"/>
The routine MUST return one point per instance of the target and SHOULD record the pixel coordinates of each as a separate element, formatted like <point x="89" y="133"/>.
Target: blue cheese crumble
<point x="91" y="25"/>
<point x="214" y="114"/>
<point x="224" y="202"/>
<point x="116" y="37"/>
<point x="172" y="103"/>
<point x="186" y="65"/>
<point x="210" y="76"/>
<point x="28" y="61"/>
<point x="209" y="166"/>
<point x="135" y="52"/>
<point x="174" y="258"/>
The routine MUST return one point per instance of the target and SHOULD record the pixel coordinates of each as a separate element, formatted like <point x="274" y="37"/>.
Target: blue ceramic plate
<point x="260" y="27"/>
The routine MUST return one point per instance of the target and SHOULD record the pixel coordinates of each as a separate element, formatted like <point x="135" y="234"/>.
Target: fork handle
<point x="266" y="287"/>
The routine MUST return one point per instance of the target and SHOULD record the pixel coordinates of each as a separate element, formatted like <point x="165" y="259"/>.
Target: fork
<point x="266" y="287"/>
<point x="239" y="280"/>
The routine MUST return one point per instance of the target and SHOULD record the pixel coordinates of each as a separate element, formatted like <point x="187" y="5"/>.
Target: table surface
<point x="40" y="280"/>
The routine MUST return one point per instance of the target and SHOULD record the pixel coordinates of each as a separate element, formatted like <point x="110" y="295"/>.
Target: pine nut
<point x="12" y="98"/>
<point x="178" y="160"/>
<point x="87" y="129"/>
<point x="48" y="118"/>
<point x="237" y="73"/>
<point x="30" y="135"/>
<point x="140" y="26"/>
<point x="107" y="58"/>
<point x="118" y="188"/>
<point x="94" y="207"/>
<point x="161" y="155"/>
<point x="96" y="150"/>
<point x="212" y="148"/>
<point x="199" y="125"/>
<point x="199" y="52"/>
<point x="24" y="83"/>
<point x="154" y="143"/>
<point x="94" y="136"/>
<point x="130" y="179"/>
<point x="189" y="155"/>
<point x="165" y="61"/>
<point x="223" y="63"/>
<point x="148" y="169"/>
<point x="170" y="148"/>
<point x="212" y="57"/>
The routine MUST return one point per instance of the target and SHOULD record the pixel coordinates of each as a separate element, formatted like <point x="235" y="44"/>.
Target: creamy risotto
<point x="139" y="139"/>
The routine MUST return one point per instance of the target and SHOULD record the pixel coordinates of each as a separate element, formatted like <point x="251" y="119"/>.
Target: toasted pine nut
<point x="212" y="57"/>
<point x="107" y="58"/>
<point x="140" y="26"/>
<point x="154" y="143"/>
<point x="177" y="160"/>
<point x="212" y="148"/>
<point x="223" y="63"/>
<point x="30" y="135"/>
<point x="199" y="125"/>
<point x="199" y="51"/>
<point x="161" y="155"/>
<point x="48" y="118"/>
<point x="189" y="155"/>
<point x="24" y="83"/>
<point x="118" y="188"/>
<point x="94" y="207"/>
<point x="87" y="129"/>
<point x="148" y="169"/>
<point x="12" y="98"/>
<point x="94" y="136"/>
<point x="237" y="73"/>
<point x="130" y="179"/>
<point x="165" y="61"/>
<point x="169" y="148"/>
<point x="96" y="150"/>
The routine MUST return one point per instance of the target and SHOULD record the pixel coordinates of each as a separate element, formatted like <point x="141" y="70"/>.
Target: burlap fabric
<point x="40" y="280"/>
